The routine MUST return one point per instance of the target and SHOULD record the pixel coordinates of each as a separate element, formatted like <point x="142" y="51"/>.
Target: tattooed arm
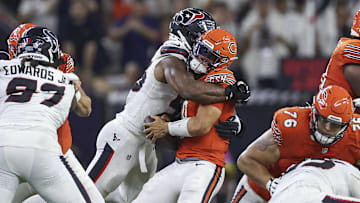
<point x="261" y="152"/>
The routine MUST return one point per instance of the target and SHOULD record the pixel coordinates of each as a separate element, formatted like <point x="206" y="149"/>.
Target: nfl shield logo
<point x="324" y="150"/>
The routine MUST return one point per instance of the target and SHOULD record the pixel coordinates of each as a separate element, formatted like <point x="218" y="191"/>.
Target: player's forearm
<point x="187" y="87"/>
<point x="197" y="127"/>
<point x="203" y="93"/>
<point x="83" y="105"/>
<point x="256" y="171"/>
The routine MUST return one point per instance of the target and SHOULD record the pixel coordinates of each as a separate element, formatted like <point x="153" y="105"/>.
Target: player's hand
<point x="272" y="184"/>
<point x="156" y="129"/>
<point x="239" y="92"/>
<point x="77" y="84"/>
<point x="232" y="127"/>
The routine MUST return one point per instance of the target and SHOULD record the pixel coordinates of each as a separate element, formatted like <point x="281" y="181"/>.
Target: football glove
<point x="232" y="127"/>
<point x="239" y="92"/>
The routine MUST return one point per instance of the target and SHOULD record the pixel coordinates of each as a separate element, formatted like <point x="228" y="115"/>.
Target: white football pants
<point x="25" y="190"/>
<point x="245" y="194"/>
<point x="122" y="159"/>
<point x="48" y="172"/>
<point x="183" y="181"/>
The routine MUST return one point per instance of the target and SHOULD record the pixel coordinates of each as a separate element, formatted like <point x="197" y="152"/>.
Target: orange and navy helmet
<point x="332" y="105"/>
<point x="355" y="28"/>
<point x="216" y="49"/>
<point x="15" y="36"/>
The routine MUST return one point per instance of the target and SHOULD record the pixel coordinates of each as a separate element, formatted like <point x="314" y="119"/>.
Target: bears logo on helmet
<point x="332" y="105"/>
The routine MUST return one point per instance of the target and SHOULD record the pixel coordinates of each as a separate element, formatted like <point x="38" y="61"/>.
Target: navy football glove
<point x="232" y="127"/>
<point x="239" y="92"/>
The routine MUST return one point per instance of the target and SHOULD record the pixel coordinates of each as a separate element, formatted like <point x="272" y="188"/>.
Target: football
<point x="148" y="119"/>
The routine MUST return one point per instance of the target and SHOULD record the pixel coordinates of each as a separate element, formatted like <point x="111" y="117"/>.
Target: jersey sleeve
<point x="175" y="48"/>
<point x="69" y="66"/>
<point x="285" y="125"/>
<point x="351" y="52"/>
<point x="355" y="129"/>
<point x="276" y="128"/>
<point x="224" y="78"/>
<point x="290" y="129"/>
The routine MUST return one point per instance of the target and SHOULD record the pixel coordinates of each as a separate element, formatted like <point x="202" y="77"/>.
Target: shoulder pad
<point x="175" y="48"/>
<point x="224" y="77"/>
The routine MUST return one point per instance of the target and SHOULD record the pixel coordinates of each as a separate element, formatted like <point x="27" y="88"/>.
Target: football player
<point x="82" y="108"/>
<point x="327" y="129"/>
<point x="124" y="156"/>
<point x="34" y="102"/>
<point x="343" y="68"/>
<point x="198" y="172"/>
<point x="318" y="180"/>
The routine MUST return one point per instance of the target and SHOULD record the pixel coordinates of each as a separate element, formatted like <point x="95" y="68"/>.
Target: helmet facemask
<point x="203" y="58"/>
<point x="322" y="137"/>
<point x="214" y="50"/>
<point x="331" y="115"/>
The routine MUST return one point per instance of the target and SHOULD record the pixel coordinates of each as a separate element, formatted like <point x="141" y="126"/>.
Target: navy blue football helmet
<point x="191" y="23"/>
<point x="40" y="44"/>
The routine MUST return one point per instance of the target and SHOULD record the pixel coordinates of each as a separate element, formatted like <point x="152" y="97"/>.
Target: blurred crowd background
<point x="284" y="46"/>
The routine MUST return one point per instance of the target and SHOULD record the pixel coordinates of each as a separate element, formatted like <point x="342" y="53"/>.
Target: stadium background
<point x="284" y="47"/>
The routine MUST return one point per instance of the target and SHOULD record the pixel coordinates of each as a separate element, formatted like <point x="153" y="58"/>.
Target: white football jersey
<point x="330" y="176"/>
<point x="150" y="96"/>
<point x="34" y="103"/>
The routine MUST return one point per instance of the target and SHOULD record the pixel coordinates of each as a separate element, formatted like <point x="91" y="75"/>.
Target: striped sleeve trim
<point x="352" y="52"/>
<point x="225" y="78"/>
<point x="174" y="50"/>
<point x="70" y="69"/>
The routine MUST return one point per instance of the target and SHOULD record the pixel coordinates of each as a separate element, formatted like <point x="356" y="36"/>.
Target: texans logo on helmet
<point x="187" y="17"/>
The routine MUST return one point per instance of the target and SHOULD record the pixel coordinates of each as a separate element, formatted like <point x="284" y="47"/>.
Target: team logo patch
<point x="324" y="150"/>
<point x="187" y="17"/>
<point x="321" y="99"/>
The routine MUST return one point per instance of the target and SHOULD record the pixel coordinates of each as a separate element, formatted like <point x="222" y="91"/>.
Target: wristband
<point x="77" y="96"/>
<point x="179" y="128"/>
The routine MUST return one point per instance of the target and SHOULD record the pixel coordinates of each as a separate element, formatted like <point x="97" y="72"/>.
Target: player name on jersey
<point x="43" y="73"/>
